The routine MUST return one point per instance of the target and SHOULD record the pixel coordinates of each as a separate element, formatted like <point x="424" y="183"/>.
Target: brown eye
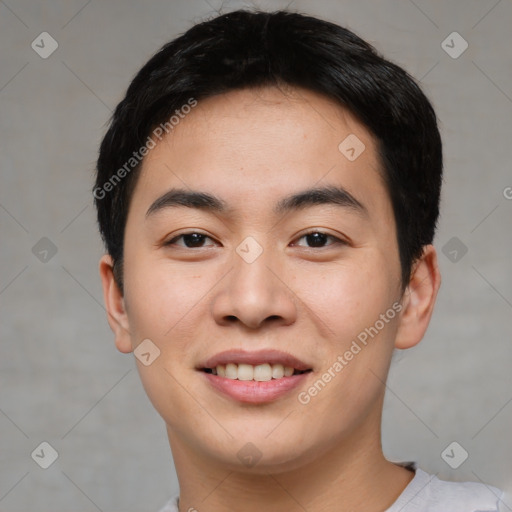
<point x="317" y="239"/>
<point x="191" y="240"/>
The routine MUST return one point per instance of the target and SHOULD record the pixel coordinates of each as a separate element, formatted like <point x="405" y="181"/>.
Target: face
<point x="257" y="247"/>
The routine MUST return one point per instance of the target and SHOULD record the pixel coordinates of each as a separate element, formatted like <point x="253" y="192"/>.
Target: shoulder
<point x="171" y="505"/>
<point x="426" y="493"/>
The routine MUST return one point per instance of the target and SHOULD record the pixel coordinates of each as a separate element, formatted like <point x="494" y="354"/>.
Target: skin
<point x="252" y="148"/>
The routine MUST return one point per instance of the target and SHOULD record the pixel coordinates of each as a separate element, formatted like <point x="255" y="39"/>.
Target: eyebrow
<point x="330" y="195"/>
<point x="189" y="199"/>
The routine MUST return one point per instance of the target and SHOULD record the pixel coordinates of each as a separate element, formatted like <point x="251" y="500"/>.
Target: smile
<point x="259" y="373"/>
<point x="255" y="377"/>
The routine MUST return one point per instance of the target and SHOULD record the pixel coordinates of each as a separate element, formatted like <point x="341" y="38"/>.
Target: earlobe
<point x="115" y="306"/>
<point x="419" y="299"/>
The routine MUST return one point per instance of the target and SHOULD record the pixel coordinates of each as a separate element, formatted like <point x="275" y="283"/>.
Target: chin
<point x="257" y="454"/>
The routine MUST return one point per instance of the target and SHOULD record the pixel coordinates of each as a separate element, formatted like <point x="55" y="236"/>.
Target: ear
<point x="114" y="302"/>
<point x="419" y="299"/>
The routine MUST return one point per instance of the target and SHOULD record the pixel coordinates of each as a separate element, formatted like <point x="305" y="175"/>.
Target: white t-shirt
<point x="426" y="493"/>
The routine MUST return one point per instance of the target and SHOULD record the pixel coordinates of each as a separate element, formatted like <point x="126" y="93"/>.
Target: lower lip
<point x="254" y="392"/>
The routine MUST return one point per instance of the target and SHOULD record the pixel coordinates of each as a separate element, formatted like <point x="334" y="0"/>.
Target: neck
<point x="351" y="474"/>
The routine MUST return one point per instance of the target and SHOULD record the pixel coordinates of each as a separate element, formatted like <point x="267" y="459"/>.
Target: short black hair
<point x="252" y="49"/>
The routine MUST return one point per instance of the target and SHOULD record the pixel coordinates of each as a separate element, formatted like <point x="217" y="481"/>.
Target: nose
<point x="254" y="295"/>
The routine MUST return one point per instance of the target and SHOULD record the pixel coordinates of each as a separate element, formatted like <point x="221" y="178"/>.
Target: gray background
<point x="61" y="378"/>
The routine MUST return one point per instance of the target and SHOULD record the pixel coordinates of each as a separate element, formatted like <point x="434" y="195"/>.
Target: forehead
<point x="263" y="143"/>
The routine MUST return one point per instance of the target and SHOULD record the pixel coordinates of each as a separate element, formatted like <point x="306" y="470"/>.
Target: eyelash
<point x="337" y="241"/>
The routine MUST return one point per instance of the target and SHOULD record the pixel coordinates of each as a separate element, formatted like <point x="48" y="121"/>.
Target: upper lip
<point x="255" y="358"/>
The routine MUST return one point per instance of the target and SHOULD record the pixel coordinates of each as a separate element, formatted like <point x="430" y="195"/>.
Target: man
<point x="268" y="192"/>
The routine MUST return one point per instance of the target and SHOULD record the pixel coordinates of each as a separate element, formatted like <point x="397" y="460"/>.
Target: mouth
<point x="254" y="377"/>
<point x="260" y="373"/>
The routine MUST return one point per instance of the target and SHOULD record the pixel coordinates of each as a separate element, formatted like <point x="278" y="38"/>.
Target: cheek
<point x="348" y="297"/>
<point x="167" y="306"/>
<point x="168" y="302"/>
<point x="356" y="345"/>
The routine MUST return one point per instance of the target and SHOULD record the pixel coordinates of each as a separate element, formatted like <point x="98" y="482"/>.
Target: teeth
<point x="261" y="372"/>
<point x="231" y="371"/>
<point x="277" y="371"/>
<point x="245" y="372"/>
